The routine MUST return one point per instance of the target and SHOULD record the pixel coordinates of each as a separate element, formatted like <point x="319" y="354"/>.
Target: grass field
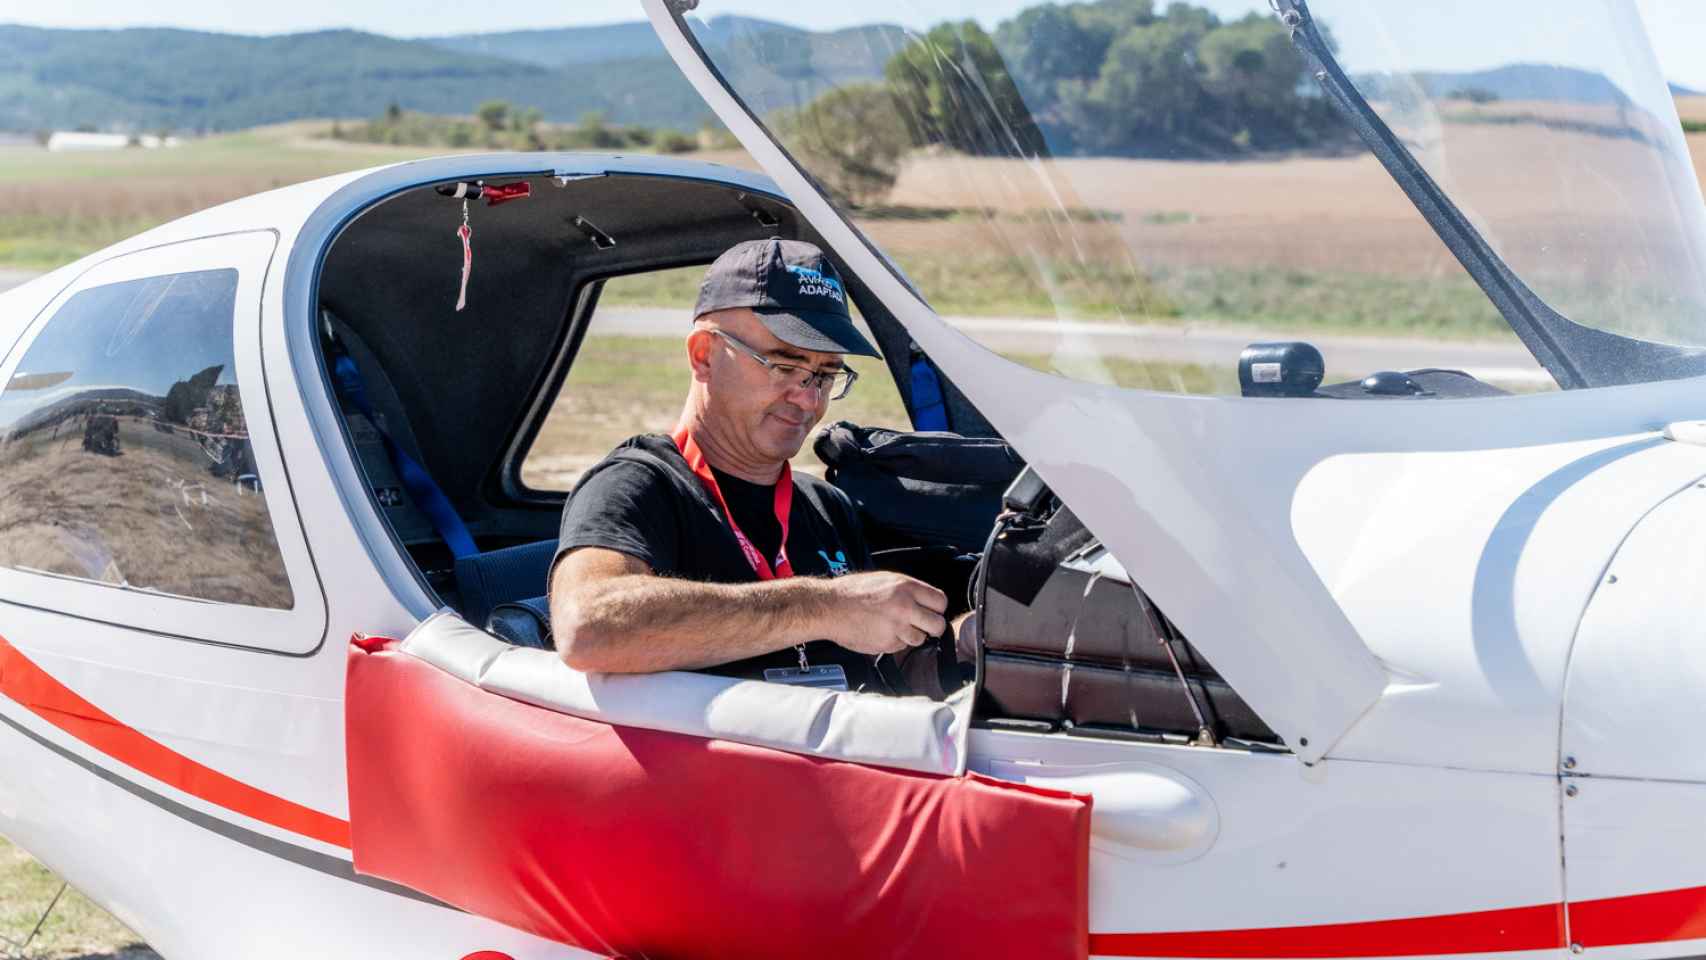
<point x="76" y="930"/>
<point x="57" y="207"/>
<point x="1311" y="243"/>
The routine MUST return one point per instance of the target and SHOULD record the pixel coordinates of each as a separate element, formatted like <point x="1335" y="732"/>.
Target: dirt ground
<point x="1591" y="224"/>
<point x="1308" y="212"/>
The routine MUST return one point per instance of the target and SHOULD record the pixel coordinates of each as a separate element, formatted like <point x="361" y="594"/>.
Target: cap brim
<point x="819" y="332"/>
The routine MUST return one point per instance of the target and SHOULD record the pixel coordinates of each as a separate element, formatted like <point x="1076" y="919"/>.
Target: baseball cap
<point x="792" y="287"/>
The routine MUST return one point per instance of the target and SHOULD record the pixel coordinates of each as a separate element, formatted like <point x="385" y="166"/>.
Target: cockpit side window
<point x="629" y="376"/>
<point x="125" y="455"/>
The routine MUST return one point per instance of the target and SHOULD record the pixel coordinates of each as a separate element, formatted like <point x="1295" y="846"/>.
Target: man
<point x="702" y="549"/>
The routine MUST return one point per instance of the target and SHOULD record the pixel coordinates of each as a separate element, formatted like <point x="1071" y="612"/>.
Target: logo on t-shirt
<point x="837" y="564"/>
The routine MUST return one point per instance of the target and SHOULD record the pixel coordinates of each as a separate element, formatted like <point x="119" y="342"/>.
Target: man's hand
<point x="882" y="612"/>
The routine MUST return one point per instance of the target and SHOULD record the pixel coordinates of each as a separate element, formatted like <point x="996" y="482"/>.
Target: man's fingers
<point x="930" y="597"/>
<point x="931" y="623"/>
<point x="912" y="636"/>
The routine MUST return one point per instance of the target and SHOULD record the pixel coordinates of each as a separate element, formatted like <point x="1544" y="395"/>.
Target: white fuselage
<point x="1424" y="592"/>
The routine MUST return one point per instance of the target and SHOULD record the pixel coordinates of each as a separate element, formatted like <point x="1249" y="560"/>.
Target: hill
<point x="149" y="79"/>
<point x="1518" y="81"/>
<point x="142" y="79"/>
<point x="607" y="43"/>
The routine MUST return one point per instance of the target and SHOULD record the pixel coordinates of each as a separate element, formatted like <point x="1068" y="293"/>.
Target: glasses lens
<point x="842" y="383"/>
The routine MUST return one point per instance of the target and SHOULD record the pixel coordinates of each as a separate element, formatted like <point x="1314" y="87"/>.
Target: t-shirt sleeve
<point x="624" y="507"/>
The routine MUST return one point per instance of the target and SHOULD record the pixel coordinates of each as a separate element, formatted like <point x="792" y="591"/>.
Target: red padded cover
<point x="637" y="843"/>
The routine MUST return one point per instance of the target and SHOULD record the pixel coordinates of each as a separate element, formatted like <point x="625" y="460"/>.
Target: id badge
<point x="828" y="676"/>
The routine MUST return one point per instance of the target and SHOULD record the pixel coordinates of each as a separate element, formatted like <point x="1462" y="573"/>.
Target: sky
<point x="1678" y="27"/>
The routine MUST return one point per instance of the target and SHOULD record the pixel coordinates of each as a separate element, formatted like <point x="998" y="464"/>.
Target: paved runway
<point x="1207" y="344"/>
<point x="12" y="278"/>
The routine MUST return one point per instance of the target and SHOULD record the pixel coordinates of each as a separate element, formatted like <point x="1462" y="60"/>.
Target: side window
<point x="124" y="452"/>
<point x="630" y="377"/>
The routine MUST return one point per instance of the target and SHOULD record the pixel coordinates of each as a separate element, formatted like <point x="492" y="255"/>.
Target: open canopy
<point x="1078" y="183"/>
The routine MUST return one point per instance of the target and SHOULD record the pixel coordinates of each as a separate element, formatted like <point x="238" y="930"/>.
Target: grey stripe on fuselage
<point x="301" y="856"/>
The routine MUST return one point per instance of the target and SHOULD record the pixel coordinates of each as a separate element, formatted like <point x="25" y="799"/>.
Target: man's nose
<point x="807" y="397"/>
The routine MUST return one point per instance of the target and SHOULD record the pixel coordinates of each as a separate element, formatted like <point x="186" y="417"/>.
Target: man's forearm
<point x="640" y="623"/>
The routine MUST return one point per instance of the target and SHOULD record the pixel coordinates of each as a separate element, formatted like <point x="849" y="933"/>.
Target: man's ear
<point x="699" y="345"/>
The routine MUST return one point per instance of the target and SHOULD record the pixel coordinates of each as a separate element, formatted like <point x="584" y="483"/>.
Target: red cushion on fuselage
<point x="639" y="843"/>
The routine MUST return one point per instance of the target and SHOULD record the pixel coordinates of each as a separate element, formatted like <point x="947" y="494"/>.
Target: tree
<point x="525" y="119"/>
<point x="1047" y="44"/>
<point x="591" y="132"/>
<point x="953" y="88"/>
<point x="1251" y="69"/>
<point x="674" y="141"/>
<point x="494" y="114"/>
<point x="525" y="123"/>
<point x="1150" y="88"/>
<point x="852" y="138"/>
<point x="1478" y="95"/>
<point x="1117" y="76"/>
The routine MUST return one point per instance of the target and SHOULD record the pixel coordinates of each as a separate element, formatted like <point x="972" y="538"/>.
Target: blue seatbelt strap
<point x="426" y="493"/>
<point x="929" y="412"/>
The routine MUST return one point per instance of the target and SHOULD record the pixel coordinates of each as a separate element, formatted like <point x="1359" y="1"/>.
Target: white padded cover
<point x="908" y="733"/>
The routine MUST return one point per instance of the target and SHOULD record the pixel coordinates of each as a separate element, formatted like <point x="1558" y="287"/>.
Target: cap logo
<point x="813" y="283"/>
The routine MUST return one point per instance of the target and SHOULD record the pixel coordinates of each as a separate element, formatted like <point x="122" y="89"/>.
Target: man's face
<point x="767" y="416"/>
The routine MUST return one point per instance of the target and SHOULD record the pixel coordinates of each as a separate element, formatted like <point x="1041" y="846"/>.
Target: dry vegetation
<point x="75" y="930"/>
<point x="1301" y="234"/>
<point x="55" y="207"/>
<point x="1693" y="112"/>
<point x="1306" y="242"/>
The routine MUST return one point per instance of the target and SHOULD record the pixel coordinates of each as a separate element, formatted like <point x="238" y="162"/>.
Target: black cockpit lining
<point x="473" y="384"/>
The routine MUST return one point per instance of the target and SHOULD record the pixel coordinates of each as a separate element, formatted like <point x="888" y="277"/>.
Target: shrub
<point x="674" y="141"/>
<point x="853" y="138"/>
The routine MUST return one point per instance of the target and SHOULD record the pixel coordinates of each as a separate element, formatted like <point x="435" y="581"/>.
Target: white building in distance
<point x="65" y="141"/>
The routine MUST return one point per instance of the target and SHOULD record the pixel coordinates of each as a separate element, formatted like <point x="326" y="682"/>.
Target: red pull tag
<point x="505" y="193"/>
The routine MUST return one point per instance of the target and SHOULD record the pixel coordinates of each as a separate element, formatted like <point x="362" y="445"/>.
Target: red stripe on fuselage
<point x="1486" y="931"/>
<point x="1642" y="918"/>
<point x="34" y="688"/>
<point x="1614" y="921"/>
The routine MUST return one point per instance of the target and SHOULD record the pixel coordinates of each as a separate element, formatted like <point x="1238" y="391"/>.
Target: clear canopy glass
<point x="1130" y="192"/>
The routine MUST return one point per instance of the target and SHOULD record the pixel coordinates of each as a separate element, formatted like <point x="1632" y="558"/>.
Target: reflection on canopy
<point x="1564" y="149"/>
<point x="125" y="455"/>
<point x="1128" y="195"/>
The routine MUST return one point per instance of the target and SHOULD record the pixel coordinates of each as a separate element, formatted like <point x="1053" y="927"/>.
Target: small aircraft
<point x="1454" y="630"/>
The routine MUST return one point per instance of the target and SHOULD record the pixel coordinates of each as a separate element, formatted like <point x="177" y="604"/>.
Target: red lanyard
<point x="784" y="502"/>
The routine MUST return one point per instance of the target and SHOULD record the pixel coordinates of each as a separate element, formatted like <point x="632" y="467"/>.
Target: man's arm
<point x="610" y="613"/>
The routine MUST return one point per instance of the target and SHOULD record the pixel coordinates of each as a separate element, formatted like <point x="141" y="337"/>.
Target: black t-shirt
<point x="644" y="501"/>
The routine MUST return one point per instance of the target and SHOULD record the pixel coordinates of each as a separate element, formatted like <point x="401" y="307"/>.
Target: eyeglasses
<point x="837" y="383"/>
